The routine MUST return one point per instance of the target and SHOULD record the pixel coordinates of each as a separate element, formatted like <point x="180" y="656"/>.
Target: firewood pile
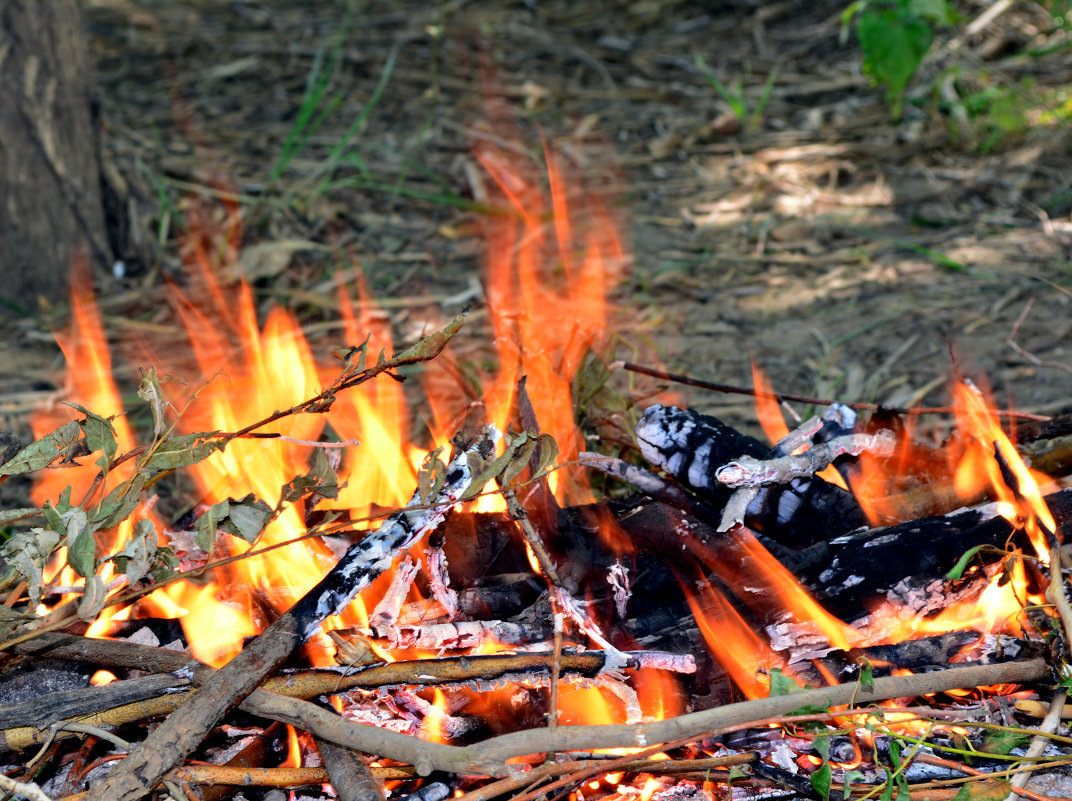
<point x="714" y="566"/>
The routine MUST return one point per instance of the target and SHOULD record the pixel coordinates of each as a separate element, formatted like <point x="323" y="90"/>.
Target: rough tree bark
<point x="50" y="178"/>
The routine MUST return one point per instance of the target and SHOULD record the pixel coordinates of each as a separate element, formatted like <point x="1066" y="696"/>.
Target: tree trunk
<point x="50" y="180"/>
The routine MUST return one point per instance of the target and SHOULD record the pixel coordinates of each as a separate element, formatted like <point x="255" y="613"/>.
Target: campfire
<point x="278" y="572"/>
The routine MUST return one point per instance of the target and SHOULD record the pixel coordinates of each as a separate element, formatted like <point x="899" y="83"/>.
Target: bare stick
<point x="488" y="757"/>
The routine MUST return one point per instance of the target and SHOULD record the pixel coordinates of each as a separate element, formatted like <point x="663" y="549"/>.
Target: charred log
<point x="691" y="447"/>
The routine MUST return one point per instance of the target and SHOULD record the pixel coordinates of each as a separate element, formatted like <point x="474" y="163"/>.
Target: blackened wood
<point x="56" y="706"/>
<point x="691" y="446"/>
<point x="848" y="572"/>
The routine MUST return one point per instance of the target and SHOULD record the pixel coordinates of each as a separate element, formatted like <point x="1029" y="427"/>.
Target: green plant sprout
<point x="735" y="95"/>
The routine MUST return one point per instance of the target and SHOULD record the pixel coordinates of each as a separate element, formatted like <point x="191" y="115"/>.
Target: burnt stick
<point x="691" y="447"/>
<point x="184" y="729"/>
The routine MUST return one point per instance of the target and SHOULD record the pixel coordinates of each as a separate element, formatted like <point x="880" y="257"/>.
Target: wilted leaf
<point x="58" y="445"/>
<point x="11" y="620"/>
<point x="165" y="564"/>
<point x="54" y="518"/>
<point x="208" y="522"/>
<point x="26" y="552"/>
<point x="321" y="480"/>
<point x="150" y="391"/>
<point x="99" y="431"/>
<point x="431" y="476"/>
<point x="520" y="452"/>
<point x="136" y="557"/>
<point x="183" y="451"/>
<point x="81" y="544"/>
<point x="247" y="518"/>
<point x="548" y="455"/>
<point x="93" y="597"/>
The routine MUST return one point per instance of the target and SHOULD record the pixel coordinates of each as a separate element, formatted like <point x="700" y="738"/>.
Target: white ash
<point x="803" y="641"/>
<point x="799" y="437"/>
<point x="785" y="757"/>
<point x="436" y="791"/>
<point x="618" y="578"/>
<point x="461" y="635"/>
<point x="747" y="471"/>
<point x="385" y="615"/>
<point x="627" y="695"/>
<point x="439" y="581"/>
<point x="683" y="791"/>
<point x="675" y="663"/>
<point x="144" y="636"/>
<point x="736" y="508"/>
<point x="615" y="659"/>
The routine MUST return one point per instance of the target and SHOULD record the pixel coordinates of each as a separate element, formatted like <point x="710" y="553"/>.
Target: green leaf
<point x="58" y="445"/>
<point x="894" y="47"/>
<point x="938" y="12"/>
<point x="820" y="781"/>
<point x="176" y="452"/>
<point x="999" y="741"/>
<point x="887" y="788"/>
<point x="821" y="744"/>
<point x="81" y="544"/>
<point x="247" y="518"/>
<point x="119" y="503"/>
<point x="849" y="777"/>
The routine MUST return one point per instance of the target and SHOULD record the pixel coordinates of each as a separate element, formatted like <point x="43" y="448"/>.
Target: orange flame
<point x="740" y="651"/>
<point x="1018" y="493"/>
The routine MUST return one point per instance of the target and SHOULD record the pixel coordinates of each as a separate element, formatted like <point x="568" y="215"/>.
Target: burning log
<point x="692" y="447"/>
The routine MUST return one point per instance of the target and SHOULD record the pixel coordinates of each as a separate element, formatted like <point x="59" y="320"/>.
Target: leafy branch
<point x="78" y="525"/>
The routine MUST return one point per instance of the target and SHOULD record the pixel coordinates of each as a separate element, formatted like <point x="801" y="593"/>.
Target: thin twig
<point x="1035" y="360"/>
<point x="930" y="759"/>
<point x="781" y="397"/>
